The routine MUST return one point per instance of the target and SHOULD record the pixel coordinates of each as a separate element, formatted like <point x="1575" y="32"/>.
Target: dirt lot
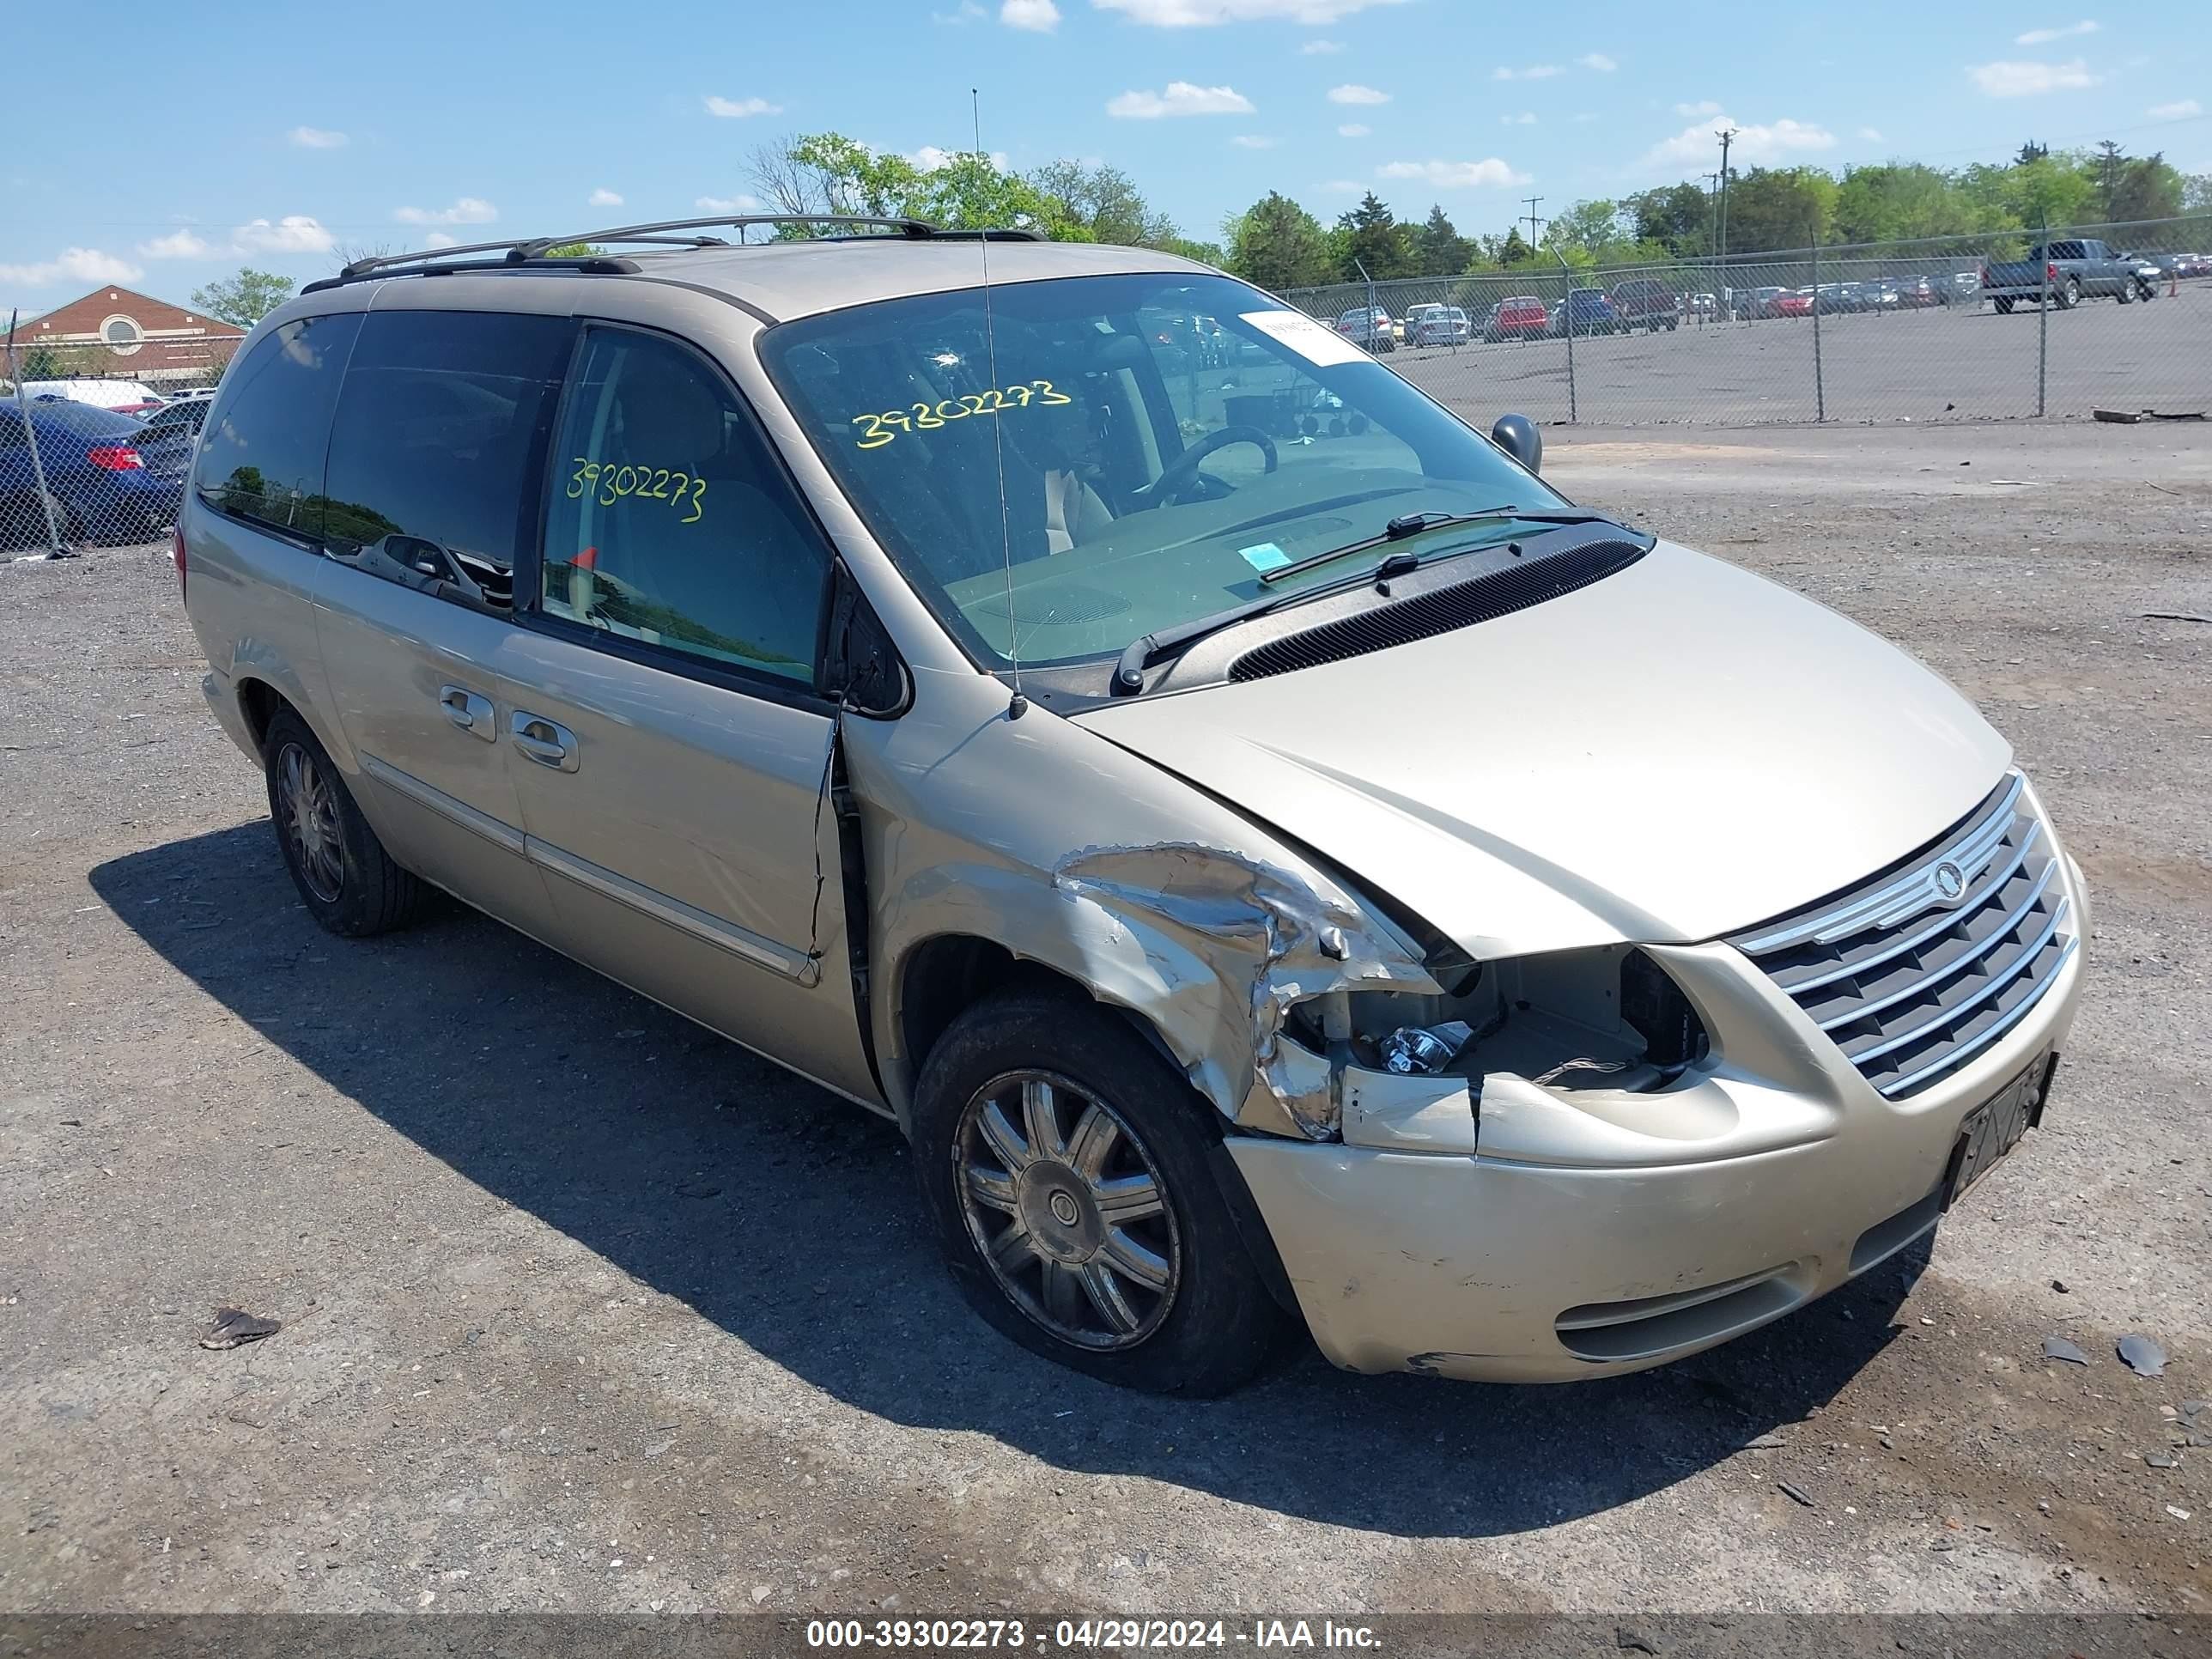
<point x="1939" y="364"/>
<point x="583" y="1310"/>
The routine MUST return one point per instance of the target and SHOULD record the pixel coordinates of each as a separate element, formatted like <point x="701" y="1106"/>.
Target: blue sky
<point x="404" y="122"/>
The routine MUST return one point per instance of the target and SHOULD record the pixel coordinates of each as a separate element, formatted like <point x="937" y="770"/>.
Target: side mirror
<point x="1517" y="436"/>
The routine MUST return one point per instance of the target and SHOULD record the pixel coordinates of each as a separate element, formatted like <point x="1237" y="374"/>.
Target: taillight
<point x="2050" y="272"/>
<point x="177" y="557"/>
<point x="115" y="458"/>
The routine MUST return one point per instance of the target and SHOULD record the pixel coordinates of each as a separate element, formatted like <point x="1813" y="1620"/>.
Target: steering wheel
<point x="1184" y="469"/>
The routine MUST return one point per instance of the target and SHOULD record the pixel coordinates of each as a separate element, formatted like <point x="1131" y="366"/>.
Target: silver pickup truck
<point x="2073" y="270"/>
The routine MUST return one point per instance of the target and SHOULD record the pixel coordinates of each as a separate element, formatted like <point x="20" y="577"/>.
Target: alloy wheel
<point x="1067" y="1210"/>
<point x="307" y="817"/>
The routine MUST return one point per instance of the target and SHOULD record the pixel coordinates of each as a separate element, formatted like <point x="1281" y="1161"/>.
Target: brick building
<point x="120" y="333"/>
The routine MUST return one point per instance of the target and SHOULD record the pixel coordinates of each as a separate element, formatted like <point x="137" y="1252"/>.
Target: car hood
<point x="1673" y="753"/>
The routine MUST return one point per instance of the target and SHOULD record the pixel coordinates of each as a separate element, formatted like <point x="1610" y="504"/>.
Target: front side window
<point x="1144" y="484"/>
<point x="668" y="523"/>
<point x="263" y="459"/>
<point x="433" y="453"/>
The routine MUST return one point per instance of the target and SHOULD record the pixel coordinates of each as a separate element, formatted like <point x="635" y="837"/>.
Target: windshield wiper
<point x="1415" y="524"/>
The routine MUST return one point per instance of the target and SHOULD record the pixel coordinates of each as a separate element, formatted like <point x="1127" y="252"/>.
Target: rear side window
<point x="263" y="459"/>
<point x="85" y="420"/>
<point x="669" y="522"/>
<point x="436" y="441"/>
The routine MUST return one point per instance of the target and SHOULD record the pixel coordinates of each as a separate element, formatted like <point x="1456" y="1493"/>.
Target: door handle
<point x="466" y="709"/>
<point x="547" y="742"/>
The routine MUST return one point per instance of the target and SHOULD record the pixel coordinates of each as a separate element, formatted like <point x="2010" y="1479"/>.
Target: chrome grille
<point x="1920" y="967"/>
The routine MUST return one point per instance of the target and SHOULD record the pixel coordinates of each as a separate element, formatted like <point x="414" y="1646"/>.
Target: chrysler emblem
<point x="1950" y="882"/>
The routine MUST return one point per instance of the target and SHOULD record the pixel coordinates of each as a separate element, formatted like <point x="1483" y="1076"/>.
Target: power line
<point x="1533" y="219"/>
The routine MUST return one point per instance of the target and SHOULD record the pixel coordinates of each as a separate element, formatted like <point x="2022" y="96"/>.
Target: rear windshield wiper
<point x="1415" y="524"/>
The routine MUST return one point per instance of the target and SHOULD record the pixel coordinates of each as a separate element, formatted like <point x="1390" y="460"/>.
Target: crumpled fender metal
<point x="1177" y="907"/>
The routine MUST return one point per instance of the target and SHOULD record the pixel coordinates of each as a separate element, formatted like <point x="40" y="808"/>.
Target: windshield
<point x="1151" y="476"/>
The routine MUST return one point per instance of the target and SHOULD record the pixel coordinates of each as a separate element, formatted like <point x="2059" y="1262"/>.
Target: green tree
<point x="1676" y="216"/>
<point x="1438" y="248"/>
<point x="2030" y="151"/>
<point x="1275" y="244"/>
<point x="829" y="173"/>
<point x="1377" y="242"/>
<point x="1897" y="202"/>
<point x="2149" y="187"/>
<point x="2049" y="190"/>
<point x="1592" y="228"/>
<point x="1105" y="202"/>
<point x="1207" y="253"/>
<point x="2197" y="191"/>
<point x="1513" y="251"/>
<point x="245" y="298"/>
<point x="1774" y="208"/>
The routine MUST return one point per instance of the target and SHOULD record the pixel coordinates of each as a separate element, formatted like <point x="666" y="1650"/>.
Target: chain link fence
<point x="1957" y="328"/>
<point x="89" y="454"/>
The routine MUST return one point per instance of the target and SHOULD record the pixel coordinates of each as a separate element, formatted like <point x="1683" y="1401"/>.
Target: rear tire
<point x="1067" y="1171"/>
<point x="2070" y="295"/>
<point x="346" y="879"/>
<point x="2127" y="293"/>
<point x="2004" y="307"/>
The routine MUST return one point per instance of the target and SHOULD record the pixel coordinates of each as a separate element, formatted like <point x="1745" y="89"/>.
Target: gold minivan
<point x="1281" y="863"/>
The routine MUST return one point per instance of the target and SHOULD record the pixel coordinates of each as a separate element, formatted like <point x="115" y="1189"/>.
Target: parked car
<point x="1588" y="311"/>
<point x="182" y="419"/>
<point x="1705" y="306"/>
<point x="1793" y="302"/>
<point x="1756" y="305"/>
<point x="1645" y="302"/>
<point x="1210" y="962"/>
<point x="1436" y="324"/>
<point x="1917" y="293"/>
<point x="100" y="394"/>
<point x="1521" y="317"/>
<point x="1879" y="294"/>
<point x="1837" y="298"/>
<point x="100" y="483"/>
<point x="1371" y="328"/>
<point x="2069" y="272"/>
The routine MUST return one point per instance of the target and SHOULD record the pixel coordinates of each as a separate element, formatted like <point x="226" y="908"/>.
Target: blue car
<point x="1588" y="311"/>
<point x="110" y="476"/>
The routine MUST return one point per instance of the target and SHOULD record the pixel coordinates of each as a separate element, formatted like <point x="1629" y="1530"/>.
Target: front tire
<point x="346" y="879"/>
<point x="1067" y="1171"/>
<point x="2004" y="307"/>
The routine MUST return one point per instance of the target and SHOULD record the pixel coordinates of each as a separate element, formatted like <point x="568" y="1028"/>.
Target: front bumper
<point x="1584" y="1237"/>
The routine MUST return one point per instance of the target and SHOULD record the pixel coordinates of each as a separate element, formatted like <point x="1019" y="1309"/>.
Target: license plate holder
<point x="1995" y="1128"/>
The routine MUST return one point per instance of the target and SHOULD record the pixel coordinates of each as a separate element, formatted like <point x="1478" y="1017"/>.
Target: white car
<point x="1437" y="325"/>
<point x="101" y="394"/>
<point x="1371" y="328"/>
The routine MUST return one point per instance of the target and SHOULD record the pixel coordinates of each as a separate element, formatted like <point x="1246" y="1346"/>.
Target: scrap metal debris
<point x="2175" y="616"/>
<point x="1629" y="1639"/>
<point x="1798" y="1493"/>
<point x="2058" y="1347"/>
<point x="2143" y="1356"/>
<point x="234" y="1327"/>
<point x="2135" y="416"/>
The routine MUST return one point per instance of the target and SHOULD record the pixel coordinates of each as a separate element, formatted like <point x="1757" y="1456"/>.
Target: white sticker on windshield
<point x="1312" y="341"/>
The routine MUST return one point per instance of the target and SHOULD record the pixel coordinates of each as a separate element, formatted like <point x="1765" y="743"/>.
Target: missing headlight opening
<point x="1608" y="1017"/>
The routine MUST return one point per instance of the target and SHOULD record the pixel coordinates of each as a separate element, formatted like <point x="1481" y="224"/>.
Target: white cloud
<point x="1533" y="72"/>
<point x="468" y="210"/>
<point x="2025" y="80"/>
<point x="1353" y="93"/>
<point x="295" y="232"/>
<point x="2176" y="111"/>
<point x="740" y="203"/>
<point x="1702" y="107"/>
<point x="316" y="138"/>
<point x="2044" y="37"/>
<point x="1753" y="143"/>
<point x="931" y="159"/>
<point x="1454" y="175"/>
<point x="1254" y="141"/>
<point x="1321" y="48"/>
<point x="438" y="238"/>
<point x="1038" y="17"/>
<point x="1598" y="61"/>
<point x="177" y="245"/>
<point x="737" y="109"/>
<point x="1527" y="118"/>
<point x="605" y="198"/>
<point x="1204" y="14"/>
<point x="75" y="264"/>
<point x="1872" y="134"/>
<point x="1181" y="98"/>
<point x="1354" y="130"/>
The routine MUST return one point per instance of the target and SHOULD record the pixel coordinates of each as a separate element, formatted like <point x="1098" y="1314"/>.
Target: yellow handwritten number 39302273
<point x="877" y="430"/>
<point x="608" y="482"/>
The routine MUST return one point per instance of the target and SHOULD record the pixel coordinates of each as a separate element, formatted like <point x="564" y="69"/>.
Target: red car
<point x="1917" y="291"/>
<point x="1524" y="317"/>
<point x="1787" y="304"/>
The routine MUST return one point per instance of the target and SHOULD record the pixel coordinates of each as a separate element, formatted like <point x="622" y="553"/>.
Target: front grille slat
<point x="1911" y="996"/>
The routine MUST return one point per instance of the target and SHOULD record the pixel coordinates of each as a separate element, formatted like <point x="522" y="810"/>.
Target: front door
<point x="672" y="754"/>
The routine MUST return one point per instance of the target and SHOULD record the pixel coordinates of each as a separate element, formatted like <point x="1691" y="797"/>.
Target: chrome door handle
<point x="469" y="711"/>
<point x="547" y="742"/>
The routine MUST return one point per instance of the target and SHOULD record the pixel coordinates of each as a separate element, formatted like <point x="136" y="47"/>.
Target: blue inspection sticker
<point x="1264" y="556"/>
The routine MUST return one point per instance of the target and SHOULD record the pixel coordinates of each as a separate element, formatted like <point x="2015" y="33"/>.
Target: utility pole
<point x="1533" y="219"/>
<point x="1720" y="280"/>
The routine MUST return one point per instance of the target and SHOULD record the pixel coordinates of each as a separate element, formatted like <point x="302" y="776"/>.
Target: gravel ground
<point x="1939" y="364"/>
<point x="585" y="1310"/>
